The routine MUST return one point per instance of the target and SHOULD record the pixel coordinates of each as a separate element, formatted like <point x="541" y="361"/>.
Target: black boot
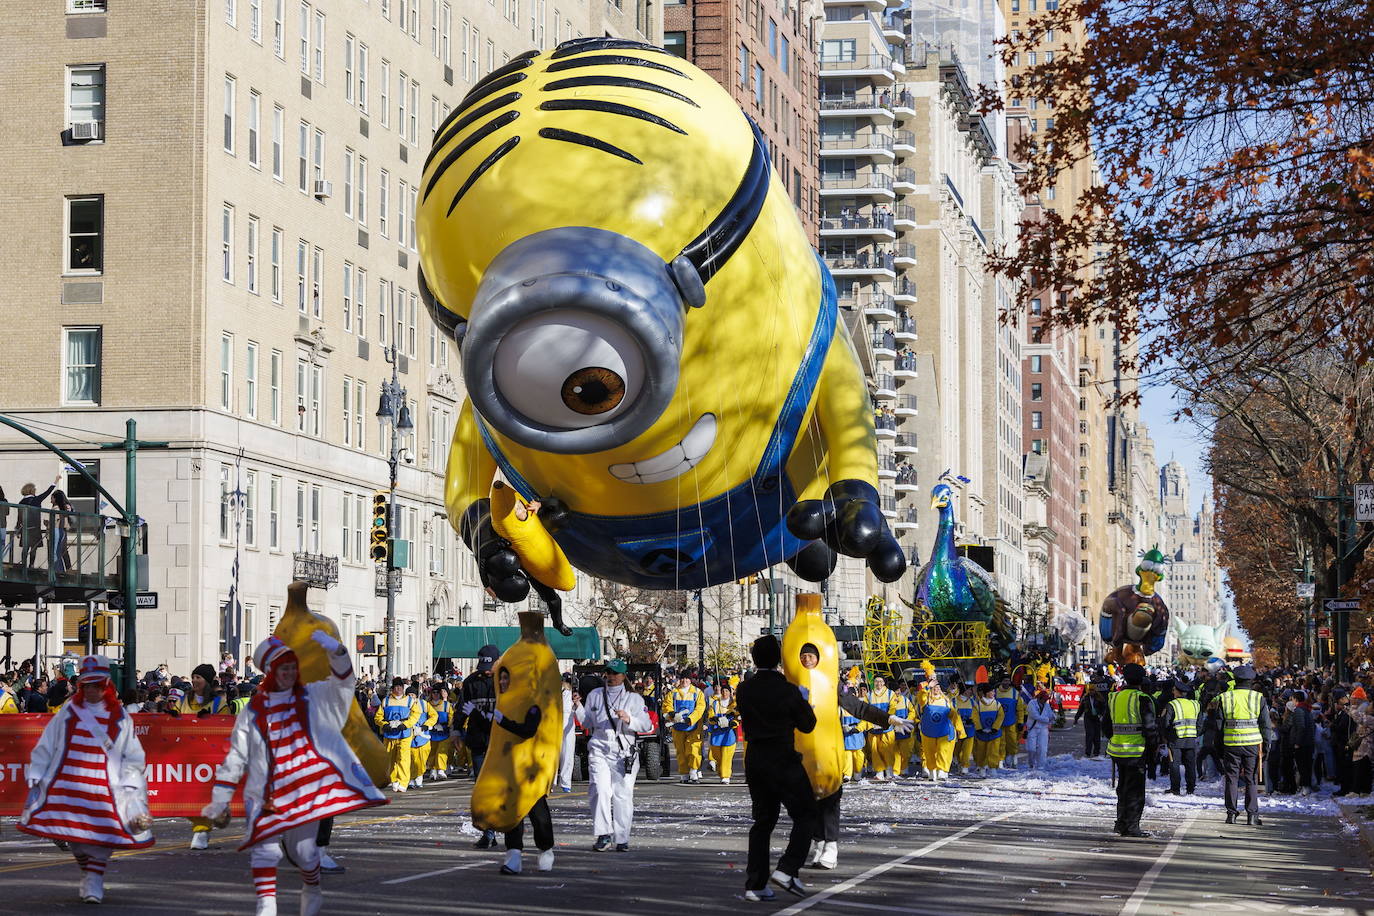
<point x="1253" y="820"/>
<point x="1230" y="817"/>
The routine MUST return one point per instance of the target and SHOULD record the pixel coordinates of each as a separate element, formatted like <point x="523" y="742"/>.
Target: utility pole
<point x="393" y="412"/>
<point x="701" y="634"/>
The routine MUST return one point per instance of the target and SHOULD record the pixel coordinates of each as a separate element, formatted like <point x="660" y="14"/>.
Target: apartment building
<point x="764" y="54"/>
<point x="219" y="202"/>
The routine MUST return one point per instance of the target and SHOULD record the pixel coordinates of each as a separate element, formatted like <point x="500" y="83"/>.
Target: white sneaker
<point x="328" y="866"/>
<point x="312" y="900"/>
<point x="830" y="855"/>
<point x="267" y="906"/>
<point x="760" y="896"/>
<point x="418" y="783"/>
<point x="790" y="883"/>
<point x="394" y="787"/>
<point x="512" y="864"/>
<point x="200" y="839"/>
<point x="92" y="888"/>
<point x="1306" y="791"/>
<point x="546" y="860"/>
<point x="725" y="781"/>
<point x="696" y="776"/>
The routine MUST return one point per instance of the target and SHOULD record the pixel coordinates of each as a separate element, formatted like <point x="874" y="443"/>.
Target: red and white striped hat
<point x="268" y="652"/>
<point x="94" y="669"/>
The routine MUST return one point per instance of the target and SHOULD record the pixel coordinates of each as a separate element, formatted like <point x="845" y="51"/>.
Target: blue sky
<point x="1181" y="440"/>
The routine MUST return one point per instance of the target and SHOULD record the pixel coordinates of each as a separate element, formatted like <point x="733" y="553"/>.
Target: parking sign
<point x="1364" y="502"/>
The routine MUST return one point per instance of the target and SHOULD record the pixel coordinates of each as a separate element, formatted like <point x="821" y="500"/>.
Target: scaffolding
<point x="890" y="643"/>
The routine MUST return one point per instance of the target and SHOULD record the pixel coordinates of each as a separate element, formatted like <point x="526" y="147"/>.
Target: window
<point x="414" y="112"/>
<point x="386" y="93"/>
<point x="383" y="302"/>
<point x="360" y="301"/>
<point x="302" y="276"/>
<point x="85" y="249"/>
<point x="359" y="416"/>
<point x="274" y="381"/>
<point x="349" y="44"/>
<point x="253" y="255"/>
<point x="279" y="28"/>
<point x="411" y="315"/>
<point x="305" y="37"/>
<point x="300" y="516"/>
<point x="278" y="139"/>
<point x="316" y="400"/>
<point x="250" y="508"/>
<point x="230" y="92"/>
<point x="319" y="46"/>
<point x="274" y="513"/>
<point x="786" y="56"/>
<point x="277" y="242"/>
<point x="414" y="194"/>
<point x="316" y="498"/>
<point x="348" y="299"/>
<point x="227" y="244"/>
<point x="773" y="39"/>
<point x="1037" y="420"/>
<point x="317" y="154"/>
<point x="250" y="379"/>
<point x="362" y="77"/>
<point x="758" y="85"/>
<point x="317" y="281"/>
<point x="226" y="371"/>
<point x="226" y="498"/>
<point x="744" y="66"/>
<point x="347" y="417"/>
<point x="255" y="20"/>
<point x="1038" y="446"/>
<point x="383" y="201"/>
<point x="446" y="35"/>
<point x="254" y="127"/>
<point x="86" y="93"/>
<point x="303" y="156"/>
<point x="348" y="183"/>
<point x="1037" y="391"/>
<point x="675" y="43"/>
<point x="1037" y="363"/>
<point x="231" y="13"/>
<point x="81" y="365"/>
<point x="361" y="185"/>
<point x="85" y="6"/>
<point x="402" y="198"/>
<point x="402" y="82"/>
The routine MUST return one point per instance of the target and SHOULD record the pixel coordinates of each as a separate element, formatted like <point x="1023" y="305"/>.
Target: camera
<point x="629" y="764"/>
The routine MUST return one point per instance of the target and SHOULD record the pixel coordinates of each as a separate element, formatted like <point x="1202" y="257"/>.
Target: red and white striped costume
<point x="78" y="801"/>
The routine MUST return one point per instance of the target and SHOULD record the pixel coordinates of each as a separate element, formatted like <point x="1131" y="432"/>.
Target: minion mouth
<point x="676" y="461"/>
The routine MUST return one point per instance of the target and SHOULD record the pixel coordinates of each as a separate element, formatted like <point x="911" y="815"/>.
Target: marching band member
<point x="288" y="749"/>
<point x="397" y="715"/>
<point x="419" y="737"/>
<point x="683" y="706"/>
<point x="988" y="716"/>
<point x="440" y="736"/>
<point x="1014" y="714"/>
<point x="882" y="751"/>
<point x="906" y="705"/>
<point x="941" y="727"/>
<point x="722" y="719"/>
<point x="963" y="747"/>
<point x="87" y="785"/>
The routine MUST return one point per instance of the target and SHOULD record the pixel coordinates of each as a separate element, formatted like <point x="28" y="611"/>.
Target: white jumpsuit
<point x="610" y="741"/>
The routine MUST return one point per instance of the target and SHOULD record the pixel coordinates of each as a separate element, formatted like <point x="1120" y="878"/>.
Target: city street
<point x="1008" y="845"/>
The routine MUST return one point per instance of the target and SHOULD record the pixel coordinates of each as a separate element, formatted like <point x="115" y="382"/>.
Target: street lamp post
<point x="393" y="412"/>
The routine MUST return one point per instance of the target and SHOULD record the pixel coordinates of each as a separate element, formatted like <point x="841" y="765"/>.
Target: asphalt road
<point x="995" y="848"/>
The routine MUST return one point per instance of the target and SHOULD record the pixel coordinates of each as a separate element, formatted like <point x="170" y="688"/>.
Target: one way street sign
<point x="1337" y="605"/>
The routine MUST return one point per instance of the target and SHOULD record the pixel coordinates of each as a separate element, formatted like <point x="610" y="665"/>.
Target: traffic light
<point x="371" y="644"/>
<point x="380" y="530"/>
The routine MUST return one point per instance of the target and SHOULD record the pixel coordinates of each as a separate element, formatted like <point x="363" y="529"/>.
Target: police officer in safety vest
<point x="1131" y="734"/>
<point x="1244" y="725"/>
<point x="1179" y="724"/>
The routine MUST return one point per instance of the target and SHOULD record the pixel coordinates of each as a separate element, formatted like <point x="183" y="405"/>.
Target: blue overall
<point x="1009" y="707"/>
<point x="396" y="710"/>
<point x="849" y="726"/>
<point x="721" y="736"/>
<point x="739" y="532"/>
<point x="439" y="730"/>
<point x="935" y="722"/>
<point x="885" y="706"/>
<point x="986" y="718"/>
<point x="682" y="707"/>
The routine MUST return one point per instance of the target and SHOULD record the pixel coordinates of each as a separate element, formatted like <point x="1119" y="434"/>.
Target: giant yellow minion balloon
<point x="650" y="345"/>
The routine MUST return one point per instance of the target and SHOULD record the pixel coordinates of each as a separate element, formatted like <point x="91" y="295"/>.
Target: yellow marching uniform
<point x="396" y="716"/>
<point x="686" y="706"/>
<point x="722" y="736"/>
<point x="440" y="739"/>
<point x="1014" y="708"/>
<point x="988" y="716"/>
<point x="941" y="727"/>
<point x="907" y="706"/>
<point x="419" y="743"/>
<point x="852" y="730"/>
<point x="882" y="746"/>
<point x="9" y="703"/>
<point x="963" y="748"/>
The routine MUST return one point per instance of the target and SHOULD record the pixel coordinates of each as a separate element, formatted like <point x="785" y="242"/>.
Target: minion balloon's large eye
<point x="569" y="369"/>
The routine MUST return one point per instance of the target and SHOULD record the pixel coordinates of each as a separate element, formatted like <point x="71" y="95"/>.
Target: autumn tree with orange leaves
<point x="1235" y="147"/>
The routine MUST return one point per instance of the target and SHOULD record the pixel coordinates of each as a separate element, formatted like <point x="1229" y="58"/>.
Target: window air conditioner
<point x="87" y="130"/>
<point x="324" y="189"/>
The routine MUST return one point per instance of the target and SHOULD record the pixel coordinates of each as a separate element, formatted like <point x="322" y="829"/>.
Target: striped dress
<point x="302" y="786"/>
<point x="79" y="806"/>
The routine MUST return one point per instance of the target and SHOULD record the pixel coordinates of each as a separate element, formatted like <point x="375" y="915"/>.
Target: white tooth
<point x="677" y="460"/>
<point x="700" y="439"/>
<point x="623" y="471"/>
<point x="665" y="475"/>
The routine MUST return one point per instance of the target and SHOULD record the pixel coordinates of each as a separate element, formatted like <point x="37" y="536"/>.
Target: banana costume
<point x="723" y="719"/>
<point x="823" y="749"/>
<point x="294" y="629"/>
<point x="882" y="744"/>
<point x="642" y="343"/>
<point x="517" y="770"/>
<point x="396" y="716"/>
<point x="419" y="743"/>
<point x="684" y="706"/>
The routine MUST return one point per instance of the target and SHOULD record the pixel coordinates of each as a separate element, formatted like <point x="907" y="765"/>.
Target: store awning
<point x="463" y="642"/>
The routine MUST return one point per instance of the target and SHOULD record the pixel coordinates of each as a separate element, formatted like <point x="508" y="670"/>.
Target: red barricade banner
<point x="181" y="753"/>
<point x="1070" y="695"/>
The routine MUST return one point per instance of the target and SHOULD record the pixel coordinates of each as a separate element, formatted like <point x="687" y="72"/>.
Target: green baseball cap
<point x="616" y="666"/>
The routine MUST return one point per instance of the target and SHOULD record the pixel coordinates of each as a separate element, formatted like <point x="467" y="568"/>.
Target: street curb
<point x="1349" y="814"/>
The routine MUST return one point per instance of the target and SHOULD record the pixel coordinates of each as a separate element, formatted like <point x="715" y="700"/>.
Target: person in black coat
<point x="1092" y="710"/>
<point x="771" y="710"/>
<point x="31" y="520"/>
<point x="476" y="707"/>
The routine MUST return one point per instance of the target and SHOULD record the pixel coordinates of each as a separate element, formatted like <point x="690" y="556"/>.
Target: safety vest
<point x="1240" y="710"/>
<point x="881" y="701"/>
<point x="238" y="703"/>
<point x="853" y="734"/>
<point x="1185" y="717"/>
<point x="1128" y="739"/>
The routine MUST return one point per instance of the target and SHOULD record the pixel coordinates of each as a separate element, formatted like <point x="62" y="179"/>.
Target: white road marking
<point x="431" y="874"/>
<point x="1148" y="879"/>
<point x="877" y="870"/>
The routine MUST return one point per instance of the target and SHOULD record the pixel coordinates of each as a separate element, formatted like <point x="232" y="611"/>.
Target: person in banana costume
<point x="988" y="719"/>
<point x="419" y="737"/>
<point x="684" y="707"/>
<point x="721" y="721"/>
<point x="522" y="757"/>
<point x="397" y="715"/>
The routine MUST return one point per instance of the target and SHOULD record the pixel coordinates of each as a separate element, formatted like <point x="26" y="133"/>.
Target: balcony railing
<point x="868" y="139"/>
<point x="904" y="97"/>
<point x="857" y="182"/>
<point x="885" y="382"/>
<point x="884" y="340"/>
<point x="867" y="301"/>
<point x="856" y="102"/>
<point x="905" y="250"/>
<point x="886" y="461"/>
<point x="906" y="440"/>
<point x="905" y="212"/>
<point x="877" y="220"/>
<point x="887" y="503"/>
<point x="857" y="62"/>
<point x="905" y="287"/>
<point x="906" y="402"/>
<point x="906" y="475"/>
<point x="905" y="175"/>
<point x="905" y="323"/>
<point x="906" y="362"/>
<point x="884" y="420"/>
<point x="904" y="138"/>
<point x="50" y="548"/>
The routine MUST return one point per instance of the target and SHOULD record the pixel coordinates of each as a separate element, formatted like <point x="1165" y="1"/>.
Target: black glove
<point x="849" y="519"/>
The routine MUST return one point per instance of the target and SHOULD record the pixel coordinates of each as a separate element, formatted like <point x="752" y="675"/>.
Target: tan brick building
<point x="216" y="202"/>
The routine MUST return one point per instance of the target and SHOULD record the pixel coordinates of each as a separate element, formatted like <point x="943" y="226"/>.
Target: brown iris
<point x="593" y="390"/>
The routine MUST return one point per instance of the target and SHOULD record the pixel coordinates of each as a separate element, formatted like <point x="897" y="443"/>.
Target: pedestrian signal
<point x="371" y="644"/>
<point x="380" y="530"/>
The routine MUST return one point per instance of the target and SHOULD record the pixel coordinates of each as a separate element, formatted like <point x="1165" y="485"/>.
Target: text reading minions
<point x="650" y="345"/>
